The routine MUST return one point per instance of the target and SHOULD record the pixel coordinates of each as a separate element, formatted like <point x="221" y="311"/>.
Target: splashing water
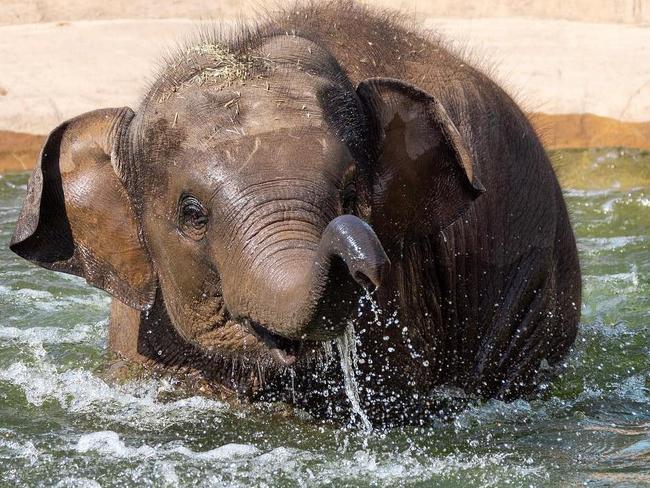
<point x="347" y="347"/>
<point x="292" y="375"/>
<point x="62" y="425"/>
<point x="367" y="298"/>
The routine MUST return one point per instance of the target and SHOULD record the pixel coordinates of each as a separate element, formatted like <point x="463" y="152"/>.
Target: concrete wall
<point x="613" y="11"/>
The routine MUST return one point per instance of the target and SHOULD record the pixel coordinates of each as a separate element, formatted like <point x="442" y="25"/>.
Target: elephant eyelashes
<point x="193" y="218"/>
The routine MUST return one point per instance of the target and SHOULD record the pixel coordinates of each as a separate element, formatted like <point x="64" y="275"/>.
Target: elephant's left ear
<point x="426" y="176"/>
<point x="77" y="217"/>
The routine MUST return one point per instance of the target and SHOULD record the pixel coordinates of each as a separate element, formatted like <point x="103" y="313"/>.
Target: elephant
<point x="279" y="174"/>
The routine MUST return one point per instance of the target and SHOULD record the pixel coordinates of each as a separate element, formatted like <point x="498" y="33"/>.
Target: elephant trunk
<point x="353" y="241"/>
<point x="285" y="297"/>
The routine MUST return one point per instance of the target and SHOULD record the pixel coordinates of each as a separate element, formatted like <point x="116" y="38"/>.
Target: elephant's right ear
<point x="77" y="217"/>
<point x="425" y="174"/>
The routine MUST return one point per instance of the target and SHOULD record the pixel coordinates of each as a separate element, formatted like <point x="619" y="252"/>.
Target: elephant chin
<point x="246" y="341"/>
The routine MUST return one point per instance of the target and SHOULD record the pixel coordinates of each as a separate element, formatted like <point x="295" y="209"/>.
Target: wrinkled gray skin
<point x="269" y="177"/>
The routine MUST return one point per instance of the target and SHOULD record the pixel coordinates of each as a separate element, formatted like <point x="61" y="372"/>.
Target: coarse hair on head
<point x="227" y="54"/>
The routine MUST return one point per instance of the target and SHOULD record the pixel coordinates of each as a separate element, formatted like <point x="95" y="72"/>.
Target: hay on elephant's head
<point x="222" y="64"/>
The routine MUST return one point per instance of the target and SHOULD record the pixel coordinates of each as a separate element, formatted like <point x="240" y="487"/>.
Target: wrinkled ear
<point x="77" y="217"/>
<point x="426" y="176"/>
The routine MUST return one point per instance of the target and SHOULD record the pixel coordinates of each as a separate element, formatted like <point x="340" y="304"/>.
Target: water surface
<point x="62" y="425"/>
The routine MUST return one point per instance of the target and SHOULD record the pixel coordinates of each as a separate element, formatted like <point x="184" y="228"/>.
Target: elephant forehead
<point x="277" y="154"/>
<point x="211" y="115"/>
<point x="305" y="165"/>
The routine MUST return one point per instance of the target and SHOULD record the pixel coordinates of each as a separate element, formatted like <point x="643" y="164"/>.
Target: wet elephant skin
<point x="271" y="178"/>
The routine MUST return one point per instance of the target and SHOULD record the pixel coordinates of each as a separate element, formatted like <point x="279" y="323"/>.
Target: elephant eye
<point x="193" y="217"/>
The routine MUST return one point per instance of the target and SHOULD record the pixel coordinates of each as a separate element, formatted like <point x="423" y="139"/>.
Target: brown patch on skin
<point x="67" y="165"/>
<point x="19" y="151"/>
<point x="3" y="92"/>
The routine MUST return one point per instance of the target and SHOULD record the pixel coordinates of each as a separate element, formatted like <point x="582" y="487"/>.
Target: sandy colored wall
<point x="611" y="11"/>
<point x="32" y="11"/>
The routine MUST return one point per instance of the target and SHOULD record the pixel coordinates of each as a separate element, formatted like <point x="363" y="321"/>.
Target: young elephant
<point x="270" y="175"/>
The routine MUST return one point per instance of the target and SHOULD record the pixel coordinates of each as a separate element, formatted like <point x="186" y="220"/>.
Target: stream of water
<point x="62" y="425"/>
<point x="347" y="348"/>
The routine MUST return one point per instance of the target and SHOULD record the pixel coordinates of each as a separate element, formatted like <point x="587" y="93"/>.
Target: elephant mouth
<point x="248" y="340"/>
<point x="284" y="351"/>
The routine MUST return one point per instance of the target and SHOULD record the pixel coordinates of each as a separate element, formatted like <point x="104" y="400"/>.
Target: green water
<point x="62" y="425"/>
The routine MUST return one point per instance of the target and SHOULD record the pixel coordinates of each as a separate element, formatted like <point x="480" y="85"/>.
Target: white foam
<point x="24" y="450"/>
<point x="45" y="301"/>
<point x="26" y="293"/>
<point x="167" y="471"/>
<point x="396" y="467"/>
<point x="599" y="244"/>
<point x="109" y="443"/>
<point x="633" y="388"/>
<point x="79" y="391"/>
<point x="574" y="192"/>
<point x="71" y="482"/>
<point x="52" y="335"/>
<point x="222" y="453"/>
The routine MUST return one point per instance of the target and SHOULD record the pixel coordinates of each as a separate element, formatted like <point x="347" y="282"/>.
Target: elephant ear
<point x="77" y="217"/>
<point x="425" y="176"/>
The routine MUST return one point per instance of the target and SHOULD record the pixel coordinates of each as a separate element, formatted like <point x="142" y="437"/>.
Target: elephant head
<point x="255" y="189"/>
